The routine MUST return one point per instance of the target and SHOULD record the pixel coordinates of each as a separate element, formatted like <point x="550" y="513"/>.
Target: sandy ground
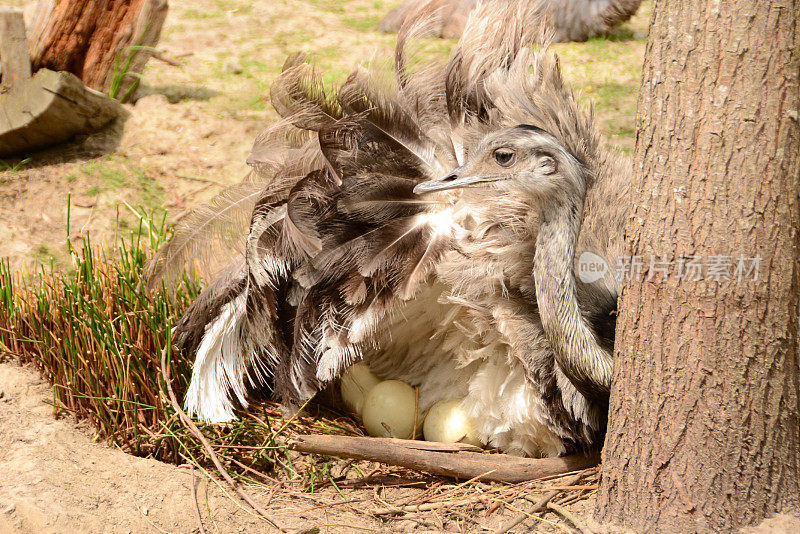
<point x="190" y="137"/>
<point x="54" y="478"/>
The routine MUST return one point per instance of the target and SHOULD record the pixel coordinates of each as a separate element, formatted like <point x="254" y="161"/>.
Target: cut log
<point x="455" y="460"/>
<point x="97" y="40"/>
<point x="15" y="65"/>
<point x="47" y="109"/>
<point x="55" y="107"/>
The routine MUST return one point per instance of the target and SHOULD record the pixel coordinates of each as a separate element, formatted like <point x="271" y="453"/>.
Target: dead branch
<point x="540" y="506"/>
<point x="186" y="420"/>
<point x="447" y="459"/>
<point x="569" y="518"/>
<point x="425" y="507"/>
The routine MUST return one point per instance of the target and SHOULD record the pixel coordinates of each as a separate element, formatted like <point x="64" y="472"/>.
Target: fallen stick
<point x="448" y="459"/>
<point x="424" y="507"/>
<point x="187" y="421"/>
<point x="540" y="506"/>
<point x="569" y="518"/>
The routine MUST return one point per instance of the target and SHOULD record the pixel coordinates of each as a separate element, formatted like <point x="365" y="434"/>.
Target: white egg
<point x="446" y="422"/>
<point x="390" y="410"/>
<point x="357" y="380"/>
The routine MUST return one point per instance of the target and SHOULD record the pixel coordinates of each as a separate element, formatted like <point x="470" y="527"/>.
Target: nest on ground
<point x="98" y="338"/>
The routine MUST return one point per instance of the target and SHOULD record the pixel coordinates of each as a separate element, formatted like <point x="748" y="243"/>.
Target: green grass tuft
<point x="97" y="335"/>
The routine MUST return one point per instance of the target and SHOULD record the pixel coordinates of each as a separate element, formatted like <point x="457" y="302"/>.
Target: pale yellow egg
<point x="390" y="410"/>
<point x="356" y="382"/>
<point x="446" y="422"/>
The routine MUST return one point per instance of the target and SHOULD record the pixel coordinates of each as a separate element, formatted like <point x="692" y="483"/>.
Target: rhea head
<point x="530" y="163"/>
<point x="524" y="159"/>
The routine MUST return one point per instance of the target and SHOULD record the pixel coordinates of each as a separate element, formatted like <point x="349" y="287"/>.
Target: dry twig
<point x="540" y="506"/>
<point x="209" y="449"/>
<point x="569" y="518"/>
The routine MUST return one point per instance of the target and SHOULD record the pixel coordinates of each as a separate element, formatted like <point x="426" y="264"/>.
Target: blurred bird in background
<point x="569" y="20"/>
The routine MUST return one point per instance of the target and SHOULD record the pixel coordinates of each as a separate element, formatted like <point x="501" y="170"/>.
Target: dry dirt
<point x="192" y="134"/>
<point x="55" y="478"/>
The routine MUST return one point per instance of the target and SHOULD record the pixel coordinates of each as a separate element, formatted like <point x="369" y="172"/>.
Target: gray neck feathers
<point x="574" y="345"/>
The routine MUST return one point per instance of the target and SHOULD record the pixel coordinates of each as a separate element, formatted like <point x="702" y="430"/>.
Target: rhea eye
<point x="505" y="157"/>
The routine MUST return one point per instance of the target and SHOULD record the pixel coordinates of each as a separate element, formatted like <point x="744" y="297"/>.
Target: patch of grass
<point x="6" y="166"/>
<point x="45" y="255"/>
<point x="255" y="68"/>
<point x="109" y="179"/>
<point x="363" y="24"/>
<point x="196" y="14"/>
<point x="111" y="173"/>
<point x="122" y="70"/>
<point x="112" y="178"/>
<point x="150" y="191"/>
<point x="331" y="6"/>
<point x="238" y="7"/>
<point x="610" y="95"/>
<point x="43" y="251"/>
<point x="97" y="334"/>
<point x="255" y="99"/>
<point x="9" y="169"/>
<point x="618" y="35"/>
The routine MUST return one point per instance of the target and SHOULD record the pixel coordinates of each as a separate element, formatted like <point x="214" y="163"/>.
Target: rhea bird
<point x="427" y="222"/>
<point x="570" y="20"/>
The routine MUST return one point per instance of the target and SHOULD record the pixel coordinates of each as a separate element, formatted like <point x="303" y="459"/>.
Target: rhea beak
<point x="452" y="181"/>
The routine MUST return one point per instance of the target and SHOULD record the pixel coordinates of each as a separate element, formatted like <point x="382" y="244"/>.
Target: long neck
<point x="574" y="345"/>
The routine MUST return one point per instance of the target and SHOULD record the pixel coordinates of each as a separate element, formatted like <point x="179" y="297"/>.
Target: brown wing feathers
<point x="337" y="235"/>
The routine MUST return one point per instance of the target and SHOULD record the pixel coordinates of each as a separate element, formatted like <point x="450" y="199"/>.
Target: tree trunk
<point x="92" y="39"/>
<point x="704" y="432"/>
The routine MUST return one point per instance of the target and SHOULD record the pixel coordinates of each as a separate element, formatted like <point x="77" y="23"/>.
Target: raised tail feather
<point x="211" y="330"/>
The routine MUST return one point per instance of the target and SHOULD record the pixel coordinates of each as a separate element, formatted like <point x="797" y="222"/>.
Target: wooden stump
<point x="47" y="109"/>
<point x="97" y="39"/>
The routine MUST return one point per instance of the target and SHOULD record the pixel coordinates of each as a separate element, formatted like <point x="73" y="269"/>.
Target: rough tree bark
<point x="89" y="37"/>
<point x="704" y="432"/>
